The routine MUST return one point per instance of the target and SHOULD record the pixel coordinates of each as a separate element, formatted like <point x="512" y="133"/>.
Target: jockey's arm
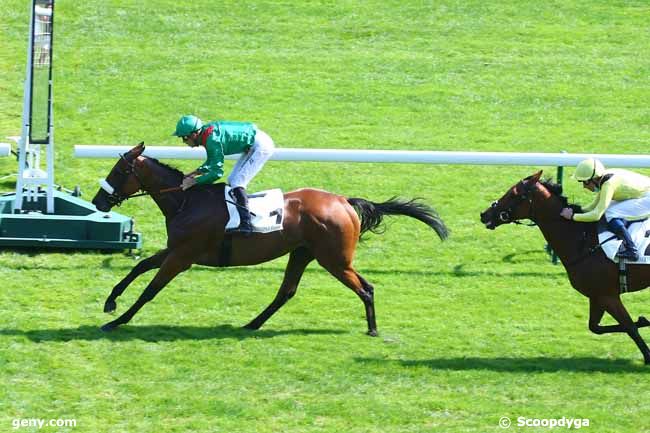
<point x="212" y="168"/>
<point x="214" y="173"/>
<point x="591" y="205"/>
<point x="602" y="202"/>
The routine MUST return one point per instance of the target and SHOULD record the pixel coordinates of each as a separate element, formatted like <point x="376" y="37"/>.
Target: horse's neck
<point x="168" y="202"/>
<point x="566" y="238"/>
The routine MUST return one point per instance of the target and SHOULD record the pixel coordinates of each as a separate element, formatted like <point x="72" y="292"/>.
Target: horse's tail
<point x="372" y="214"/>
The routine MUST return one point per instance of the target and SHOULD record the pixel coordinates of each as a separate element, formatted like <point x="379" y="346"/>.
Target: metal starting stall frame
<point x="38" y="214"/>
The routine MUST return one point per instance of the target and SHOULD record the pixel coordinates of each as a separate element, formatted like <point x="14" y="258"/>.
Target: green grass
<point x="479" y="327"/>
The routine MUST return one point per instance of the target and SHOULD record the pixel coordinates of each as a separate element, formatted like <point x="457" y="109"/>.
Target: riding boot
<point x="245" y="225"/>
<point x="617" y="226"/>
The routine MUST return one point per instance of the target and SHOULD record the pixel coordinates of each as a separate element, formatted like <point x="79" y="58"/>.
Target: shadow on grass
<point x="36" y="252"/>
<point x="458" y="271"/>
<point x="530" y="256"/>
<point x="157" y="333"/>
<point x="107" y="265"/>
<point x="521" y="365"/>
<point x="6" y="185"/>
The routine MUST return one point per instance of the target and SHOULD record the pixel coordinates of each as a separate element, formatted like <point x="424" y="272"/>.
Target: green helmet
<point x="588" y="169"/>
<point x="187" y="125"/>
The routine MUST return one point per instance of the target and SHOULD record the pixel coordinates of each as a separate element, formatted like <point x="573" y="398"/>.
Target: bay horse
<point x="590" y="271"/>
<point x="317" y="225"/>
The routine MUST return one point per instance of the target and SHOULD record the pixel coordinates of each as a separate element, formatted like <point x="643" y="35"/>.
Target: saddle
<point x="266" y="207"/>
<point x="640" y="233"/>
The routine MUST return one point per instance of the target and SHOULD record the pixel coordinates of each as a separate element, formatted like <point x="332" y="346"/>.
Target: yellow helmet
<point x="588" y="169"/>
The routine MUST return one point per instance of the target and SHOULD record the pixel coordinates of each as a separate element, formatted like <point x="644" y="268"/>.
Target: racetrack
<point x="470" y="330"/>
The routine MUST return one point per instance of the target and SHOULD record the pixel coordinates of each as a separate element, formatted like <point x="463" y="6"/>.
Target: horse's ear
<point x="535" y="177"/>
<point x="137" y="150"/>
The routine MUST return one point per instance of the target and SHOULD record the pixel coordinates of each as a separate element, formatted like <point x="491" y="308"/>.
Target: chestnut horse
<point x="576" y="244"/>
<point x="317" y="225"/>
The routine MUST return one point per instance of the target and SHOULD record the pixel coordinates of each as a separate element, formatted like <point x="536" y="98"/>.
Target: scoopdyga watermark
<point x="550" y="423"/>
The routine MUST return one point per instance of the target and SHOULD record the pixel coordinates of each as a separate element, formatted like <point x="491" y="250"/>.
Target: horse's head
<point x="516" y="204"/>
<point x="122" y="182"/>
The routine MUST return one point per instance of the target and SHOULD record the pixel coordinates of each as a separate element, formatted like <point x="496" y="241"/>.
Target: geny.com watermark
<point x="41" y="423"/>
<point x="564" y="422"/>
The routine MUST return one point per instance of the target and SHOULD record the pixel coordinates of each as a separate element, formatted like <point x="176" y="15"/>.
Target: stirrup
<point x="246" y="228"/>
<point x="630" y="254"/>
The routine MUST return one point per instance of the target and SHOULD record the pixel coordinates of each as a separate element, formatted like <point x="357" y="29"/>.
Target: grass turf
<point x="477" y="328"/>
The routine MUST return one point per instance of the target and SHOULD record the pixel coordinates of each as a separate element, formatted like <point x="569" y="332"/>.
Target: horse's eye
<point x="494" y="204"/>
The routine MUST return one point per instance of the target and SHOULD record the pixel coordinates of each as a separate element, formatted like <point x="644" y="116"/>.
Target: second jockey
<point x="621" y="196"/>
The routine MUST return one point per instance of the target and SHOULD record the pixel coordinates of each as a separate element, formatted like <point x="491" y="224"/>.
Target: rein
<point x="116" y="199"/>
<point x="530" y="224"/>
<point x="162" y="191"/>
<point x="505" y="216"/>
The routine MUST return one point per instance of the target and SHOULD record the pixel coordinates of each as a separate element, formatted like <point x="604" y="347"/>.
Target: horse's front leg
<point x="145" y="265"/>
<point x="173" y="265"/>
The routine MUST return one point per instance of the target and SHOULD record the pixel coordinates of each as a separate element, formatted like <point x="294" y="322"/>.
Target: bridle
<point x="115" y="198"/>
<point x="505" y="216"/>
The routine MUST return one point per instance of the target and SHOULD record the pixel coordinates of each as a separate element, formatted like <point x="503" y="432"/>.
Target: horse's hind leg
<point x="364" y="290"/>
<point x="334" y="250"/>
<point x="298" y="261"/>
<point x="143" y="266"/>
<point x="615" y="307"/>
<point x="596" y="311"/>
<point x="370" y="308"/>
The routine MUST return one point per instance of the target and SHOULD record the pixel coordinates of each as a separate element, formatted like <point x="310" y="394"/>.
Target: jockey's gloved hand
<point x="188" y="182"/>
<point x="567" y="213"/>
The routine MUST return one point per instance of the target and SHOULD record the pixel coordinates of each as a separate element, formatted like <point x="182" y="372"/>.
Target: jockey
<point x="226" y="138"/>
<point x="622" y="195"/>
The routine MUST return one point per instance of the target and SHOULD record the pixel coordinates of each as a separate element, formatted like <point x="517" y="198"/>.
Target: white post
<point x="24" y="135"/>
<point x="50" y="159"/>
<point x="5" y="149"/>
<point x="30" y="174"/>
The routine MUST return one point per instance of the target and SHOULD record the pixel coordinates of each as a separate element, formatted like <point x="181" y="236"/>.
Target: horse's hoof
<point x="108" y="327"/>
<point x="643" y="321"/>
<point x="251" y="327"/>
<point x="373" y="333"/>
<point x="110" y="306"/>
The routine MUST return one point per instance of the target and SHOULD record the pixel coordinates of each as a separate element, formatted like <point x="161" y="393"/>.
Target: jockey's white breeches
<point x="630" y="210"/>
<point x="251" y="162"/>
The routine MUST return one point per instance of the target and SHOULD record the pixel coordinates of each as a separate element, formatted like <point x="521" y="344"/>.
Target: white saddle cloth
<point x="267" y="210"/>
<point x="637" y="231"/>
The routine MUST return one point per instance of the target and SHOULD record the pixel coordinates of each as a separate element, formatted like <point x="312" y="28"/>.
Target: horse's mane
<point x="168" y="167"/>
<point x="556" y="190"/>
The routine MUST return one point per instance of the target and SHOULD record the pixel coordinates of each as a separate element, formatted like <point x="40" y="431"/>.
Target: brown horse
<point x="317" y="225"/>
<point x="576" y="244"/>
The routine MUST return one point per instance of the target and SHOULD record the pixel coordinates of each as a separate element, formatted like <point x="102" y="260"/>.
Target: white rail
<point x="391" y="156"/>
<point x="5" y="149"/>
